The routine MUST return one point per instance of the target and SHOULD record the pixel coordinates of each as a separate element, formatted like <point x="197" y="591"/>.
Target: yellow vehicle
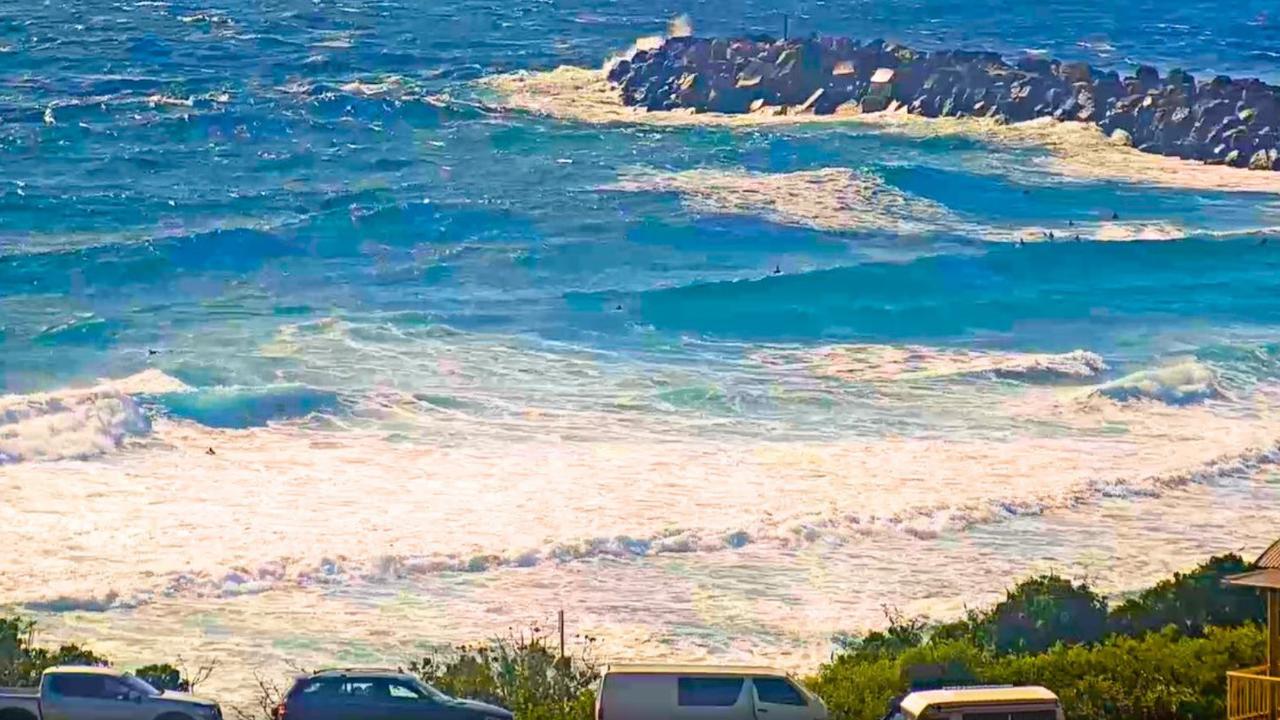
<point x="981" y="703"/>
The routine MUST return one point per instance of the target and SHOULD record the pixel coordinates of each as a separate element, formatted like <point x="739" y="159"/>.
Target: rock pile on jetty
<point x="1218" y="120"/>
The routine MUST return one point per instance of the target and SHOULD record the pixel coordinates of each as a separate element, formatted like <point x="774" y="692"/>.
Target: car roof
<point x="82" y="670"/>
<point x="360" y="673"/>
<point x="920" y="701"/>
<point x="677" y="669"/>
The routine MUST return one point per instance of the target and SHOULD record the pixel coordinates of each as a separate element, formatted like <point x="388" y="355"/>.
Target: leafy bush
<point x="1044" y="611"/>
<point x="163" y="677"/>
<point x="521" y="673"/>
<point x="22" y="662"/>
<point x="1158" y="676"/>
<point x="1192" y="602"/>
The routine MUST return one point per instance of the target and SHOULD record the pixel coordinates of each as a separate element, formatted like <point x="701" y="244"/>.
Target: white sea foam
<point x="351" y="508"/>
<point x="891" y="363"/>
<point x="842" y="199"/>
<point x="76" y="423"/>
<point x="831" y="199"/>
<point x="1177" y="384"/>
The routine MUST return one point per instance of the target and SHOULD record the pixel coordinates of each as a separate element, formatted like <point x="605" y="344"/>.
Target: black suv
<point x="377" y="695"/>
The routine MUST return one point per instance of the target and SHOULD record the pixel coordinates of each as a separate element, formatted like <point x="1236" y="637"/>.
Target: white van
<point x="687" y="692"/>
<point x="1030" y="702"/>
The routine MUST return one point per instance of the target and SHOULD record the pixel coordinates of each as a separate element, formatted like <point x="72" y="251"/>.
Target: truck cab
<point x="99" y="693"/>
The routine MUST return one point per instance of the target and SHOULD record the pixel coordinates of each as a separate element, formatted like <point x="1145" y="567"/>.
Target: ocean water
<point x="333" y="331"/>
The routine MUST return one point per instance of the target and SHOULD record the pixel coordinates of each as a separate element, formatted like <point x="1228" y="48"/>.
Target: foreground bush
<point x="22" y="661"/>
<point x="1158" y="676"/>
<point x="1192" y="601"/>
<point x="521" y="673"/>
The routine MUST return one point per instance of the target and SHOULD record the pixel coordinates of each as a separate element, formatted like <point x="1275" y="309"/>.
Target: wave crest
<point x="76" y="424"/>
<point x="1180" y="384"/>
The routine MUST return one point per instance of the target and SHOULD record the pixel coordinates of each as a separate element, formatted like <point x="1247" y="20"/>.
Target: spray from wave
<point x="77" y="424"/>
<point x="1178" y="384"/>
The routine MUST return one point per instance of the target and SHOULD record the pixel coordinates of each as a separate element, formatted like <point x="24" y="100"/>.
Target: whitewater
<point x="331" y="334"/>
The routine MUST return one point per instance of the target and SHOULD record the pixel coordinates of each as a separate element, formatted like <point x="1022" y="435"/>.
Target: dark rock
<point x="1222" y="120"/>
<point x="619" y="72"/>
<point x="1148" y="77"/>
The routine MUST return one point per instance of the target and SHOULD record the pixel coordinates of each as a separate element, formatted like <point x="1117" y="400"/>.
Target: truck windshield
<point x="139" y="685"/>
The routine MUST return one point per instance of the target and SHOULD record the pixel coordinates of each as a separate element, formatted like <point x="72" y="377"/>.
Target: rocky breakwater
<point x="1219" y="120"/>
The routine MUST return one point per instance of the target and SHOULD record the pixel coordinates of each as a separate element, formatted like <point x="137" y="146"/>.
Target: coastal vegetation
<point x="1159" y="654"/>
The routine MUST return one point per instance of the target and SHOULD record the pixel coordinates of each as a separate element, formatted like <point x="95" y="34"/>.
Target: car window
<point x="402" y="692"/>
<point x="709" y="691"/>
<point x="777" y="691"/>
<point x="115" y="688"/>
<point x="318" y="688"/>
<point x="359" y="688"/>
<point x="78" y="686"/>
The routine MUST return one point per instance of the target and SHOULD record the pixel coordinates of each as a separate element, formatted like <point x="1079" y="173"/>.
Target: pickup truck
<point x="97" y="693"/>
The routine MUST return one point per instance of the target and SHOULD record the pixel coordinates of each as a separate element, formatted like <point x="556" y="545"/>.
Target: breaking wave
<point x="415" y="507"/>
<point x="76" y="424"/>
<point x="891" y="363"/>
<point x="1180" y="384"/>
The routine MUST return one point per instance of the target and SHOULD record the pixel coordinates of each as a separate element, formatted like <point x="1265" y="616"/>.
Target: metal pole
<point x="786" y="26"/>
<point x="562" y="634"/>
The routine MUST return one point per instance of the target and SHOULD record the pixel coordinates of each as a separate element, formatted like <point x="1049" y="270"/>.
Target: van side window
<point x="777" y="691"/>
<point x="708" y="691"/>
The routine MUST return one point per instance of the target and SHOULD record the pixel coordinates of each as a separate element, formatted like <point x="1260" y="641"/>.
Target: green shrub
<point x="1192" y="602"/>
<point x="523" y="674"/>
<point x="860" y="685"/>
<point x="163" y="677"/>
<point x="1156" y="676"/>
<point x="22" y="662"/>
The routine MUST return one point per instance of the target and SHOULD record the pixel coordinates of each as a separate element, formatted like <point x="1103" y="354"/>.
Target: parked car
<point x="377" y="695"/>
<point x="989" y="703"/>
<point x="98" y="693"/>
<point x="676" y="692"/>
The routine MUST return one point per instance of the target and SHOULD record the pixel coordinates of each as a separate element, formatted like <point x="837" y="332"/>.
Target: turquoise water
<point x="268" y="194"/>
<point x="287" y="295"/>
